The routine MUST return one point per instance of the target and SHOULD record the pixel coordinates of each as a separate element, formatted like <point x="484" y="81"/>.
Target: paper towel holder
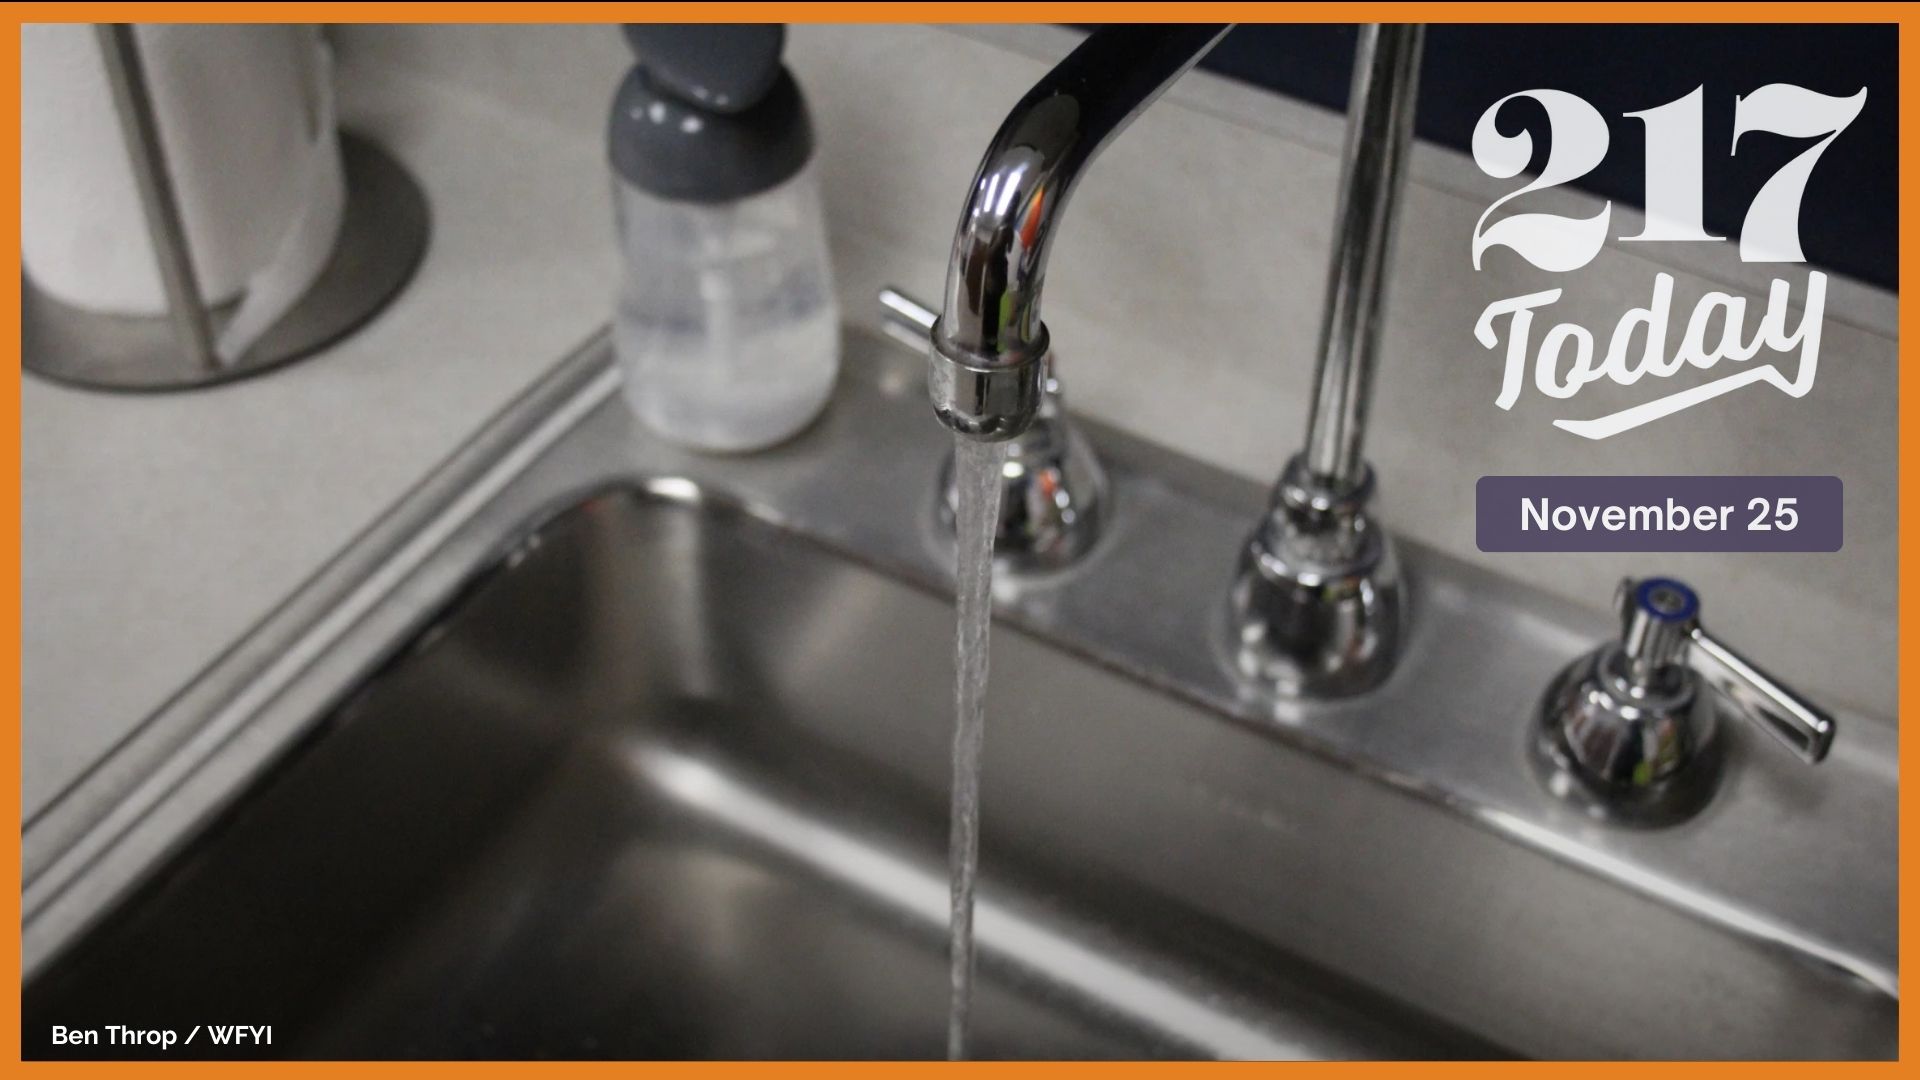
<point x="383" y="235"/>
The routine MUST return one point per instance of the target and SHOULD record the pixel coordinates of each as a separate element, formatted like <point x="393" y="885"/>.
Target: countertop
<point x="156" y="529"/>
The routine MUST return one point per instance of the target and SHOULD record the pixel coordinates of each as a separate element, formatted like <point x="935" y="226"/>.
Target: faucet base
<point x="1053" y="496"/>
<point x="1316" y="604"/>
<point x="1623" y="753"/>
<point x="1630" y="729"/>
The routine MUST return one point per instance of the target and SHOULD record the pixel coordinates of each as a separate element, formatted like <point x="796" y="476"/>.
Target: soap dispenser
<point x="727" y="330"/>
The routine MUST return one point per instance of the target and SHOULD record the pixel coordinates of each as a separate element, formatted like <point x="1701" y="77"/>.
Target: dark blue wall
<point x="1849" y="216"/>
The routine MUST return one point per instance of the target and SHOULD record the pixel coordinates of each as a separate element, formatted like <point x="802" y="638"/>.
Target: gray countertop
<point x="156" y="529"/>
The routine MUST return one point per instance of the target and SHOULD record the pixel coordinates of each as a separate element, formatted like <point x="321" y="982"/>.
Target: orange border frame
<point x="1904" y="15"/>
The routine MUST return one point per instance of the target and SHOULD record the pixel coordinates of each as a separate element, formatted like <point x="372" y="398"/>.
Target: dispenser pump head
<point x="708" y="113"/>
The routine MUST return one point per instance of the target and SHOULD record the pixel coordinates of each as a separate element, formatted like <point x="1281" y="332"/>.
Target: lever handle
<point x="905" y="319"/>
<point x="1805" y="728"/>
<point x="1660" y="627"/>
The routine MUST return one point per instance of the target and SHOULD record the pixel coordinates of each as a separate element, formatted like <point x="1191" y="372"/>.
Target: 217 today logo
<point x="1566" y="357"/>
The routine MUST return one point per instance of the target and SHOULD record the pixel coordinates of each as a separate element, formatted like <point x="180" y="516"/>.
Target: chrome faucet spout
<point x="985" y="370"/>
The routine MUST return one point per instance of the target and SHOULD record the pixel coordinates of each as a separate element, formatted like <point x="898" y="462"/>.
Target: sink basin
<point x="595" y="747"/>
<point x="672" y="784"/>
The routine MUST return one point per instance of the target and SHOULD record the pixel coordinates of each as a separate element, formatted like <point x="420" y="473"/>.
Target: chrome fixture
<point x="1628" y="731"/>
<point x="1053" y="491"/>
<point x="986" y="363"/>
<point x="1316" y="604"/>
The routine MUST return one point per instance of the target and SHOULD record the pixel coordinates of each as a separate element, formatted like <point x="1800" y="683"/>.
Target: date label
<point x="1659" y="513"/>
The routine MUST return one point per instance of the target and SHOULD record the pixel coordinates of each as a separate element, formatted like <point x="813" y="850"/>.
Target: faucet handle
<point x="1805" y="728"/>
<point x="906" y="320"/>
<point x="1629" y="731"/>
<point x="1660" y="627"/>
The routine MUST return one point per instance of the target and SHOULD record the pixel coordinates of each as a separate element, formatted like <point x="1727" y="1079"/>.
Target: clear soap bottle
<point x="727" y="329"/>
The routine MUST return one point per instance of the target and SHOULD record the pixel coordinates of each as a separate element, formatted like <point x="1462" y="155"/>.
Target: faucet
<point x="1315" y="605"/>
<point x="986" y="369"/>
<point x="1629" y="731"/>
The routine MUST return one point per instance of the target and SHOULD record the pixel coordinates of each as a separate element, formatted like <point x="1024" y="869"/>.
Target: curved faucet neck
<point x="992" y="312"/>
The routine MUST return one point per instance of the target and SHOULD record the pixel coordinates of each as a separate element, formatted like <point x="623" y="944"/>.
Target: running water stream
<point x="976" y="469"/>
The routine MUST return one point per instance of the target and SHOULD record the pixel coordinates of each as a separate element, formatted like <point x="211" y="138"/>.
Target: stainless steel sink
<point x="671" y="786"/>
<point x="600" y="749"/>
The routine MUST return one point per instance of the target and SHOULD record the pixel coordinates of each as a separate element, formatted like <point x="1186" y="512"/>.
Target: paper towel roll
<point x="246" y="120"/>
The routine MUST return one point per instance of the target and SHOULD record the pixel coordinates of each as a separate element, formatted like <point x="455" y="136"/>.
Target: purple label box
<point x="1658" y="513"/>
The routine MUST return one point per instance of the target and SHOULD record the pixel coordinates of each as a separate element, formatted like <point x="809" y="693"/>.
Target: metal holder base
<point x="383" y="236"/>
